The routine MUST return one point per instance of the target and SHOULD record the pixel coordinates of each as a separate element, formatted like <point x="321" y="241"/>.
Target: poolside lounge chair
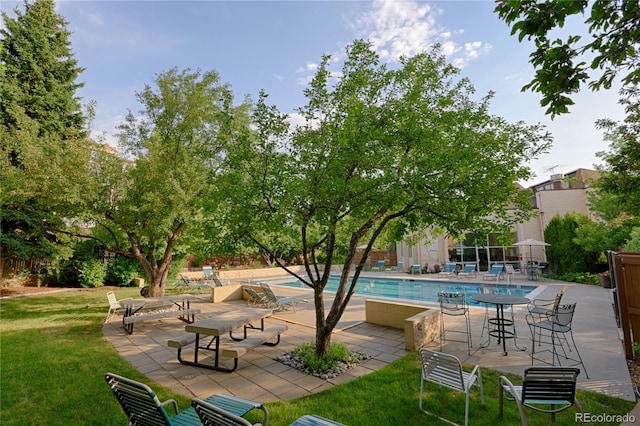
<point x="208" y="272"/>
<point x="416" y="269"/>
<point x="468" y="271"/>
<point x="212" y="415"/>
<point x="216" y="279"/>
<point x="115" y="307"/>
<point x="313" y="420"/>
<point x="142" y="406"/>
<point x="449" y="270"/>
<point x="496" y="272"/>
<point x="189" y="285"/>
<point x="257" y="299"/>
<point x="446" y="370"/>
<point x="210" y="275"/>
<point x="509" y="269"/>
<point x="400" y="266"/>
<point x="281" y="303"/>
<point x="379" y="266"/>
<point x="545" y="389"/>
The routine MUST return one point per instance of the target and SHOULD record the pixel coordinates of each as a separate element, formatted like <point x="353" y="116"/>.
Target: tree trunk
<point x="158" y="279"/>
<point x="323" y="330"/>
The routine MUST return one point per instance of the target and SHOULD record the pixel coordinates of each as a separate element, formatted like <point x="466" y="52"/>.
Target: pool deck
<point x="260" y="377"/>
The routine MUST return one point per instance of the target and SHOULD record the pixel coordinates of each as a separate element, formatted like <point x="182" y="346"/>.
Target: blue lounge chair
<point x="449" y="270"/>
<point x="468" y="271"/>
<point x="379" y="266"/>
<point x="142" y="406"/>
<point x="212" y="414"/>
<point x="496" y="272"/>
<point x="208" y="272"/>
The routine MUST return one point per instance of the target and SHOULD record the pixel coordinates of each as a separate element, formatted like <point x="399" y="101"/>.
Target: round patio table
<point x="499" y="322"/>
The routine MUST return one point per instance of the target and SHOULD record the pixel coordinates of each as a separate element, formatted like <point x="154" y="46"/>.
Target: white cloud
<point x="405" y="28"/>
<point x="399" y="28"/>
<point x="309" y="67"/>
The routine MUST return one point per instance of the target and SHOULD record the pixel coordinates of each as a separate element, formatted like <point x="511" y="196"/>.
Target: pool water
<point x="417" y="290"/>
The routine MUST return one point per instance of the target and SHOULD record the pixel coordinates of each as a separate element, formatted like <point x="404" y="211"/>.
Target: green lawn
<point x="53" y="360"/>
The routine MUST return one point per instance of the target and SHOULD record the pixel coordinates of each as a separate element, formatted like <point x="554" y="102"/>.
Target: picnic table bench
<point x="220" y="325"/>
<point x="140" y="310"/>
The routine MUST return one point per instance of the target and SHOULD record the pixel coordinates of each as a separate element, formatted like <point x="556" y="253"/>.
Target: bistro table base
<point x="500" y="327"/>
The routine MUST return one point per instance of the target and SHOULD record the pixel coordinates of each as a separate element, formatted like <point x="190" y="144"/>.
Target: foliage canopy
<point x="563" y="65"/>
<point x="380" y="149"/>
<point x="158" y="197"/>
<point x="42" y="138"/>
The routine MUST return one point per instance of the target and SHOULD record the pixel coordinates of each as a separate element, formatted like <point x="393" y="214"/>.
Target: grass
<point x="54" y="357"/>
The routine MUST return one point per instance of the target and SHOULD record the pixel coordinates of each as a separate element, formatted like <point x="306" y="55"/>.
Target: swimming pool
<point x="416" y="290"/>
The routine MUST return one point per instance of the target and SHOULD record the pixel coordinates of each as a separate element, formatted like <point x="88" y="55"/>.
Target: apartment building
<point x="559" y="195"/>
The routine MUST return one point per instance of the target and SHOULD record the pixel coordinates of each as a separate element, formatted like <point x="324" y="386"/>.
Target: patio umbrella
<point x="531" y="242"/>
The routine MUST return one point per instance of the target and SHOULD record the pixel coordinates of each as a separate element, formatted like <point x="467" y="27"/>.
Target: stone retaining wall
<point x="421" y="325"/>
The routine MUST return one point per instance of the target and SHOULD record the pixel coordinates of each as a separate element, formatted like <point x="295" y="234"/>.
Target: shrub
<point x="633" y="244"/>
<point x="122" y="270"/>
<point x="91" y="273"/>
<point x="578" y="277"/>
<point x="326" y="364"/>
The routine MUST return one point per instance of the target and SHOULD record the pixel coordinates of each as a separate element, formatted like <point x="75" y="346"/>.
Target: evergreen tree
<point x="42" y="139"/>
<point x="564" y="254"/>
<point x="40" y="72"/>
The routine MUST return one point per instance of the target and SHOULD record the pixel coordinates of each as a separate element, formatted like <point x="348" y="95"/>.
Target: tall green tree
<point x="564" y="253"/>
<point x="564" y="65"/>
<point x="620" y="175"/>
<point x="41" y="71"/>
<point x="156" y="200"/>
<point x="381" y="149"/>
<point x="41" y="129"/>
<point x="615" y="199"/>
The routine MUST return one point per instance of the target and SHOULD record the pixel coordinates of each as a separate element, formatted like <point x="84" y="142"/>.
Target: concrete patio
<point x="260" y="377"/>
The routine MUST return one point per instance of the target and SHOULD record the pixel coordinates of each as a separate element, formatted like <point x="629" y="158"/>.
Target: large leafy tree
<point x="621" y="172"/>
<point x="382" y="149"/>
<point x="157" y="199"/>
<point x="564" y="64"/>
<point x="616" y="199"/>
<point x="41" y="129"/>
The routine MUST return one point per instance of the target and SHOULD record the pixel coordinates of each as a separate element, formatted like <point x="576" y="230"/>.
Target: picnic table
<point x="139" y="310"/>
<point x="216" y="327"/>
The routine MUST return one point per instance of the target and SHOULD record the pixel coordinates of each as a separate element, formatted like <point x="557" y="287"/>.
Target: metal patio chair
<point x="143" y="408"/>
<point x="558" y="325"/>
<point x="545" y="389"/>
<point x="446" y="370"/>
<point x="453" y="304"/>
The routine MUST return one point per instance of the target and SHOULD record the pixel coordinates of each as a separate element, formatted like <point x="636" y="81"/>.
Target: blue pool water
<point x="417" y="290"/>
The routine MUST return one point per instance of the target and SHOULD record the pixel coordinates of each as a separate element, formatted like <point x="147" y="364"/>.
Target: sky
<point x="276" y="45"/>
